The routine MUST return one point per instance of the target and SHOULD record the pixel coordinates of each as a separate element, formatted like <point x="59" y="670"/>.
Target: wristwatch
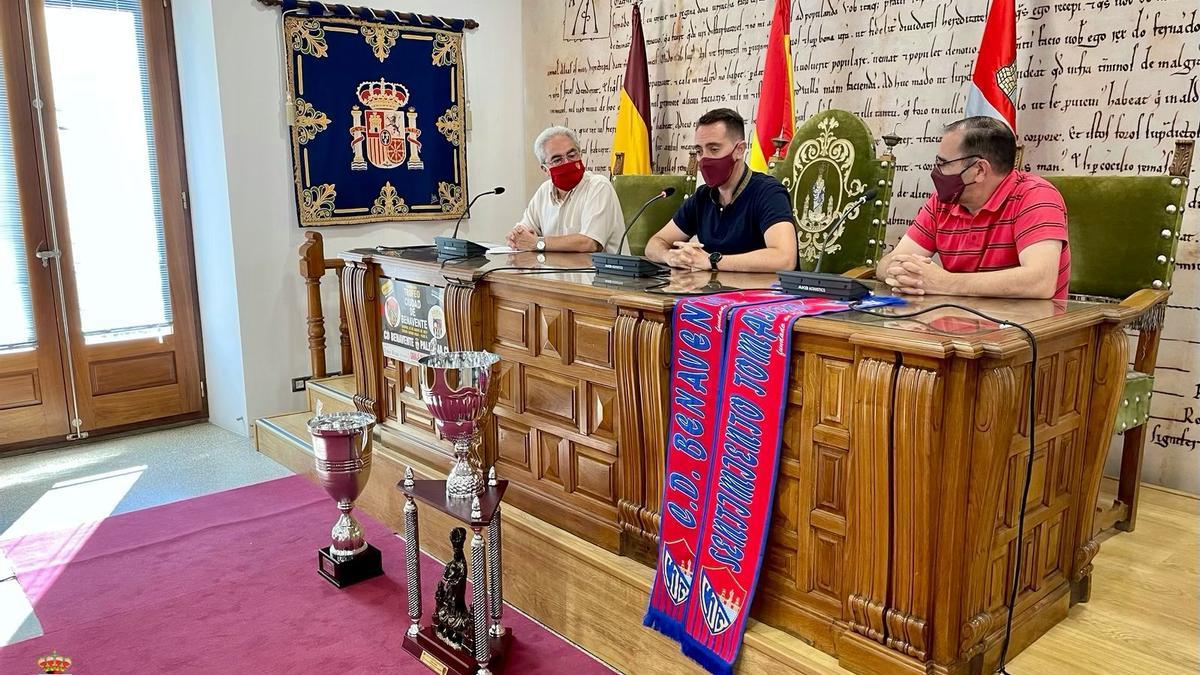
<point x="714" y="258"/>
<point x="541" y="244"/>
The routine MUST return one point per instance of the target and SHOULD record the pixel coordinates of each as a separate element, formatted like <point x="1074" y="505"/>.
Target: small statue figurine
<point x="451" y="619"/>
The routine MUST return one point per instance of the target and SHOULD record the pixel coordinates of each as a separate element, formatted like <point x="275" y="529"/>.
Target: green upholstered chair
<point x="831" y="161"/>
<point x="1124" y="231"/>
<point x="634" y="190"/>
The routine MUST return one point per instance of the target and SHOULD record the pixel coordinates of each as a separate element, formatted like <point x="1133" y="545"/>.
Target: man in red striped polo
<point x="997" y="231"/>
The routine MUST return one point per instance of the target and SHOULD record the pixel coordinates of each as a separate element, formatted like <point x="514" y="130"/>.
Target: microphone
<point x="817" y="284"/>
<point x="662" y="195"/>
<point x="862" y="199"/>
<point x="630" y="265"/>
<point x="452" y="246"/>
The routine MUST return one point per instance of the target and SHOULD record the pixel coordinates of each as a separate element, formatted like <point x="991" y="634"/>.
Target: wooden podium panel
<point x="893" y="541"/>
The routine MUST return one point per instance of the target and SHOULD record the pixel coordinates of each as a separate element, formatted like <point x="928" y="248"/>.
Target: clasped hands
<point x="910" y="274"/>
<point x="688" y="255"/>
<point x="522" y="238"/>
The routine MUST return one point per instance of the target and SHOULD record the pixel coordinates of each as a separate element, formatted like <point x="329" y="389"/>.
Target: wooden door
<point x="115" y="159"/>
<point x="102" y="280"/>
<point x="33" y="403"/>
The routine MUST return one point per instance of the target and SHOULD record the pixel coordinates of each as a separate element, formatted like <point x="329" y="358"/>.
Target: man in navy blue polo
<point x="743" y="219"/>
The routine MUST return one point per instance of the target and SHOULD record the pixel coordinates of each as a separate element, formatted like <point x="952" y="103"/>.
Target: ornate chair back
<point x="830" y="162"/>
<point x="634" y="190"/>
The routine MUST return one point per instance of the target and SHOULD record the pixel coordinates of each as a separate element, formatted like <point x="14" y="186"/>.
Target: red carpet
<point x="227" y="583"/>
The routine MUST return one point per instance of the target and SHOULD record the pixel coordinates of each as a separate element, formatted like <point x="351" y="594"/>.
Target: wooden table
<point x="894" y="534"/>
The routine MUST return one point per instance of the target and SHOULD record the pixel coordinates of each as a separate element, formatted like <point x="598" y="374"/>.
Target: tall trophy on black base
<point x="459" y="389"/>
<point x="342" y="447"/>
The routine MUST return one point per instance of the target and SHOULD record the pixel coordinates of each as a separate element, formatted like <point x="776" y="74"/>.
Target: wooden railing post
<point x="312" y="268"/>
<point x="344" y="329"/>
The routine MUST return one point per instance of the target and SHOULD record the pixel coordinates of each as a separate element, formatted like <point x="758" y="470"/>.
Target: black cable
<point x="1016" y="579"/>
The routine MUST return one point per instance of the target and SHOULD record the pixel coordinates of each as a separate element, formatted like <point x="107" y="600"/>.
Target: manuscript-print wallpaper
<point x="1105" y="86"/>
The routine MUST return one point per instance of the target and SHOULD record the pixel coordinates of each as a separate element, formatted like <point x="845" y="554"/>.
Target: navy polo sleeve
<point x="774" y="206"/>
<point x="685" y="216"/>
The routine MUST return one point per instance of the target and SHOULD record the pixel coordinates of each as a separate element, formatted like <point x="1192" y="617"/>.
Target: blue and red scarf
<point x="729" y="379"/>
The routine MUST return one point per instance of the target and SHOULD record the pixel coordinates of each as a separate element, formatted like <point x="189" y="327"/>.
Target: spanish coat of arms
<point x="375" y="110"/>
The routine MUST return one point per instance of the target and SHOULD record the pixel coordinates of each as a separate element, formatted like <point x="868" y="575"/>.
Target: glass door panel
<point x="109" y="168"/>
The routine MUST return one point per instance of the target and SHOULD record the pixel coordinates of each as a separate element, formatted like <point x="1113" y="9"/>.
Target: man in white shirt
<point x="576" y="210"/>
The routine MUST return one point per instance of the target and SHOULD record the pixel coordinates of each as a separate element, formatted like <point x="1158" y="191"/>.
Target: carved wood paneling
<point x="601" y="411"/>
<point x="995" y="418"/>
<point x="360" y="287"/>
<point x="916" y="458"/>
<point x="870" y="496"/>
<point x="551" y="325"/>
<point x="511" y="324"/>
<point x="631" y="470"/>
<point x="464" y="314"/>
<point x="551" y="396"/>
<point x="594" y="473"/>
<point x="553" y="457"/>
<point x="512" y="445"/>
<point x="653" y="368"/>
<point x="1107" y="383"/>
<point x="592" y="340"/>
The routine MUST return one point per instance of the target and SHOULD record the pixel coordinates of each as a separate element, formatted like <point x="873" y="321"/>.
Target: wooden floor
<point x="1143" y="615"/>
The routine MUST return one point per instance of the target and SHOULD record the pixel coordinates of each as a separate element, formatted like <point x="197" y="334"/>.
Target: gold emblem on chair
<point x="820" y="184"/>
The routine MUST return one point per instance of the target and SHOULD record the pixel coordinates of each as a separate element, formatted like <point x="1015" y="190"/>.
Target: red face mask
<point x="717" y="170"/>
<point x="949" y="187"/>
<point x="567" y="175"/>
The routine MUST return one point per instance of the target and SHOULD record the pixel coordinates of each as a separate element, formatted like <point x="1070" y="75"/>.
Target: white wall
<point x="270" y="307"/>
<point x="209" y="191"/>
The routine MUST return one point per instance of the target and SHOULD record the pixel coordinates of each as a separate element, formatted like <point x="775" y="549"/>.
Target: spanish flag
<point x="632" y="137"/>
<point x="776" y="101"/>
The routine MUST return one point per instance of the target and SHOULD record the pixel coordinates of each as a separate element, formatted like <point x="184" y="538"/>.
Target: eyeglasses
<point x="939" y="162"/>
<point x="571" y="156"/>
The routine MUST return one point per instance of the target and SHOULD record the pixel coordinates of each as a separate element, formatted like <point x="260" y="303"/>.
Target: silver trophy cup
<point x="460" y="388"/>
<point x="342" y="448"/>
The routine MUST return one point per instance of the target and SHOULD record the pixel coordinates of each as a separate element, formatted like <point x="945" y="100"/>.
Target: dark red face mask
<point x="949" y="187"/>
<point x="717" y="170"/>
<point x="567" y="175"/>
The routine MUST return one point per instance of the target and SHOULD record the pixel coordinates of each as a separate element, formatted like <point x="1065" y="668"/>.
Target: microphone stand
<point x="453" y="247"/>
<point x="818" y="284"/>
<point x="630" y="265"/>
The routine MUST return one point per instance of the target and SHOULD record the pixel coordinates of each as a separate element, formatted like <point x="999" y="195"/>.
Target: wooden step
<point x="593" y="597"/>
<point x="336" y="394"/>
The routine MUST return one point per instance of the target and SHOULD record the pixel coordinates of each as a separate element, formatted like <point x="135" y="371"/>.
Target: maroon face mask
<point x="949" y="187"/>
<point x="717" y="170"/>
<point x="566" y="176"/>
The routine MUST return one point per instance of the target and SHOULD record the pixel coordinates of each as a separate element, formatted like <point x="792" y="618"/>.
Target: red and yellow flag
<point x="776" y="101"/>
<point x="632" y="137"/>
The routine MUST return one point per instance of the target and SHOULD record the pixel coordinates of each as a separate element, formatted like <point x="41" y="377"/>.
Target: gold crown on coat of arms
<point x="383" y="95"/>
<point x="54" y="663"/>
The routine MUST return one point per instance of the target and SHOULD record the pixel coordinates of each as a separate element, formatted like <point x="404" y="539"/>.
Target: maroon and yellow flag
<point x="632" y="137"/>
<point x="776" y="103"/>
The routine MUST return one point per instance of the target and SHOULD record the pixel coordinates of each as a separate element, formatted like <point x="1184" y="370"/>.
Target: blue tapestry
<point x="375" y="105"/>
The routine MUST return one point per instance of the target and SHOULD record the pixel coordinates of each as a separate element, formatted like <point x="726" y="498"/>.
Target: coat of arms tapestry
<point x="376" y="108"/>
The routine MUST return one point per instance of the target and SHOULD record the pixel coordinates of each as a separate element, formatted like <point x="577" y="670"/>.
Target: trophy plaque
<point x="342" y="448"/>
<point x="459" y="389"/>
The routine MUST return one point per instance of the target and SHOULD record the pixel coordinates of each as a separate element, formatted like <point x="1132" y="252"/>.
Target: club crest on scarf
<point x="721" y="599"/>
<point x="677" y="570"/>
<point x="386" y="132"/>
